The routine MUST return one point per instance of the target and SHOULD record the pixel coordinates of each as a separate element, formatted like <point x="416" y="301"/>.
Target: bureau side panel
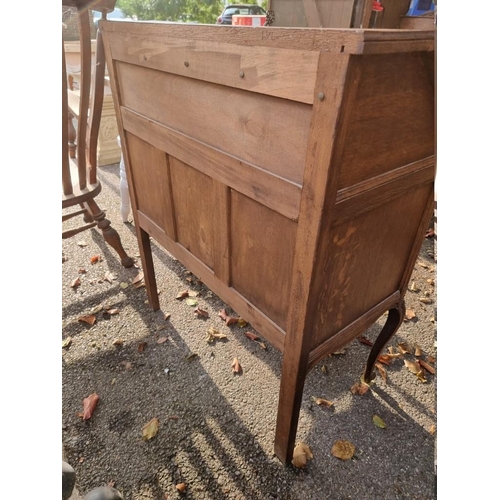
<point x="391" y="123"/>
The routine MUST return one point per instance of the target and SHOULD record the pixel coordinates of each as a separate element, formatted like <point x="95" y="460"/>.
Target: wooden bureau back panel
<point x="243" y="124"/>
<point x="262" y="250"/>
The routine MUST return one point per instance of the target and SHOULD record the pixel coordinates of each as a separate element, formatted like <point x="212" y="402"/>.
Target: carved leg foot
<point x="391" y="326"/>
<point x="111" y="237"/>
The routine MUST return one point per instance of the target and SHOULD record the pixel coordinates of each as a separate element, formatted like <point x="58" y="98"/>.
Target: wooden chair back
<point x="82" y="100"/>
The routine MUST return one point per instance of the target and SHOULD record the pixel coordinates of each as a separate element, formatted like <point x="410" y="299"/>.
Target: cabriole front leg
<point x="394" y="320"/>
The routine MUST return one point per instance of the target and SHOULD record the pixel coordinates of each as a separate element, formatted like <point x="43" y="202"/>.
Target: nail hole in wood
<point x="186" y="63"/>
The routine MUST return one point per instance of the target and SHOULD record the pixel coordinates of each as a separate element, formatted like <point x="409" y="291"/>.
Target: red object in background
<point x="377" y="6"/>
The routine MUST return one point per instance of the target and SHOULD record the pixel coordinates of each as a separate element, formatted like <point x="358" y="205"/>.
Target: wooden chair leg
<point x="148" y="268"/>
<point x="87" y="216"/>
<point x="71" y="137"/>
<point x="111" y="237"/>
<point x="394" y="320"/>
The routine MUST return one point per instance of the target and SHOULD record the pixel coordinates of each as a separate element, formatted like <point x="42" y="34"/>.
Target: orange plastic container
<point x="240" y="20"/>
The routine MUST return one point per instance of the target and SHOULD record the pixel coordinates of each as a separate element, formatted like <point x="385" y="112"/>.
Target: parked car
<point x="239" y="9"/>
<point x="115" y="15"/>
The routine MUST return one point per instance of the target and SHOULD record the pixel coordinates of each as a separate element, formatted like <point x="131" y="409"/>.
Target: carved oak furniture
<point x="80" y="185"/>
<point x="292" y="170"/>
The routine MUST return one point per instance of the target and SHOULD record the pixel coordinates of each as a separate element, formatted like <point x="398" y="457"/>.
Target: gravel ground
<point x="216" y="429"/>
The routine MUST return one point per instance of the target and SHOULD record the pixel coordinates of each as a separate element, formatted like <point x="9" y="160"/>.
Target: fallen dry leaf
<point x="386" y="359"/>
<point x="191" y="302"/>
<point x="409" y="314"/>
<point x="67" y="342"/>
<point x="141" y="346"/>
<point x="360" y="388"/>
<point x="95" y="259"/>
<point x="76" y="283"/>
<point x="420" y="375"/>
<point x="301" y="454"/>
<point x="322" y="402"/>
<point x="123" y="285"/>
<point x="235" y="365"/>
<point x="382" y="371"/>
<point x="392" y="353"/>
<point x="427" y="367"/>
<point x="201" y="313"/>
<point x="378" y="422"/>
<point x="162" y="340"/>
<point x="343" y="449"/>
<point x="432" y="429"/>
<point x="425" y="300"/>
<point x="430" y="233"/>
<point x="89" y="319"/>
<point x="214" y="334"/>
<point x="324" y="369"/>
<point x="181" y="487"/>
<point x="242" y="323"/>
<point x="412" y="366"/>
<point x="413" y="287"/>
<point x="418" y="351"/>
<point x="112" y="311"/>
<point x="365" y="341"/>
<point x="109" y="276"/>
<point x="339" y="353"/>
<point x="191" y="356"/>
<point x="150" y="429"/>
<point x="118" y="342"/>
<point x="183" y="294"/>
<point x="251" y="336"/>
<point x="230" y="320"/>
<point x="82" y="243"/>
<point x="403" y="348"/>
<point x="138" y="278"/>
<point x="89" y="404"/>
<point x="192" y="293"/>
<point x="431" y="359"/>
<point x="82" y="271"/>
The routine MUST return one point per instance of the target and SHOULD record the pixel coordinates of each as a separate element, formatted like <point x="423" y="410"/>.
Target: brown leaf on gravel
<point x="431" y="359"/>
<point x="251" y="336"/>
<point x="138" y="278"/>
<point x="262" y="345"/>
<point x="412" y="366"/>
<point x="409" y="314"/>
<point x="427" y="367"/>
<point x="382" y="371"/>
<point x="118" y="342"/>
<point x="82" y="271"/>
<point x="201" y="313"/>
<point x="365" y="341"/>
<point x="235" y="365"/>
<point x="242" y="323"/>
<point x="301" y="454"/>
<point x="393" y="353"/>
<point x="181" y="487"/>
<point x="360" y="388"/>
<point x="109" y="277"/>
<point x="89" y="404"/>
<point x="214" y="334"/>
<point x="230" y="320"/>
<point x="378" y="422"/>
<point x="112" y="311"/>
<point x="162" y="340"/>
<point x="167" y="316"/>
<point x="222" y="314"/>
<point x="76" y="283"/>
<point x="141" y="346"/>
<point x="425" y="300"/>
<point x="89" y="319"/>
<point x="403" y="348"/>
<point x="386" y="359"/>
<point x="324" y="369"/>
<point x="150" y="430"/>
<point x="418" y="351"/>
<point x="343" y="449"/>
<point x="95" y="259"/>
<point x="182" y="295"/>
<point x="67" y="342"/>
<point x="322" y="402"/>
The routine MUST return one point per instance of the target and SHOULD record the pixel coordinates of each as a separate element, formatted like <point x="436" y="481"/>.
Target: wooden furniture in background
<point x="292" y="170"/>
<point x="80" y="185"/>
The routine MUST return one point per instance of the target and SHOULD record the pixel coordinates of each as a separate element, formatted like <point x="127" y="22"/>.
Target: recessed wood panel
<point x="195" y="210"/>
<point x="243" y="124"/>
<point x="392" y="121"/>
<point x="151" y="182"/>
<point x="362" y="260"/>
<point x="262" y="249"/>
